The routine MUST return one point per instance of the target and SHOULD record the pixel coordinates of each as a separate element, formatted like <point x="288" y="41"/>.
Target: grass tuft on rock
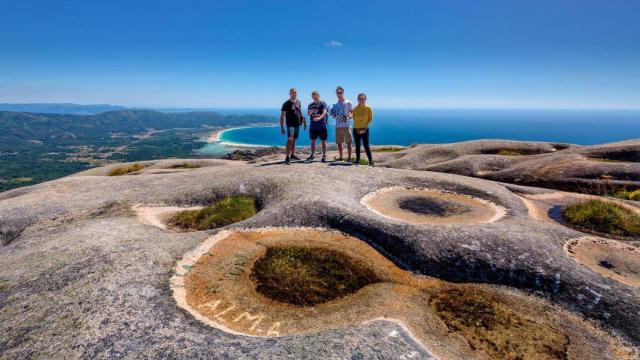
<point x="185" y="166"/>
<point x="231" y="209"/>
<point x="603" y="217"/>
<point x="628" y="195"/>
<point x="123" y="170"/>
<point x="506" y="152"/>
<point x="495" y="329"/>
<point x="387" y="150"/>
<point x="309" y="276"/>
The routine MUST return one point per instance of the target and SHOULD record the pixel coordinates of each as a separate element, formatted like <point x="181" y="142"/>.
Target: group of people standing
<point x="342" y="111"/>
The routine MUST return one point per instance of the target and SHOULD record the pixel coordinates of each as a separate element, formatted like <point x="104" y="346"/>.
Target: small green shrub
<point x="603" y="217"/>
<point x="123" y="170"/>
<point x="628" y="195"/>
<point x="231" y="209"/>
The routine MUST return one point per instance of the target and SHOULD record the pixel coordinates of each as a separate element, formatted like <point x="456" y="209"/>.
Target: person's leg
<point x="339" y="141"/>
<point x="313" y="135"/>
<point x="323" y="134"/>
<point x="296" y="132"/>
<point x="289" y="139"/>
<point x="313" y="145"/>
<point x="287" y="146"/>
<point x="367" y="149"/>
<point x="356" y="138"/>
<point x="349" y="145"/>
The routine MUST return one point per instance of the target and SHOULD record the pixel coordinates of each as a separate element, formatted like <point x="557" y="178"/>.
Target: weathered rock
<point x="252" y="154"/>
<point x="84" y="277"/>
<point x="598" y="169"/>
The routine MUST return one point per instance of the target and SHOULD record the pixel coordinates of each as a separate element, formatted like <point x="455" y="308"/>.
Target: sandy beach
<point x="216" y="136"/>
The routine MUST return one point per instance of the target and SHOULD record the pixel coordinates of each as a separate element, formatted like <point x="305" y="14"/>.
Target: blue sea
<point x="412" y="126"/>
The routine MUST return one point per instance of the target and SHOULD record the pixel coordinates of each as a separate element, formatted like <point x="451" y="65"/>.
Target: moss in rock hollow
<point x="513" y="152"/>
<point x="309" y="276"/>
<point x="506" y="152"/>
<point x="603" y="217"/>
<point x="490" y="326"/>
<point x="431" y="206"/>
<point x="231" y="209"/>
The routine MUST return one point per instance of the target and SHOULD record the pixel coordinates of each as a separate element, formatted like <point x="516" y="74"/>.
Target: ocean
<point x="412" y="126"/>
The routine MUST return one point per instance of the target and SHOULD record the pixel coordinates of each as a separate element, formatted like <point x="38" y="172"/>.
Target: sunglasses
<point x="339" y="92"/>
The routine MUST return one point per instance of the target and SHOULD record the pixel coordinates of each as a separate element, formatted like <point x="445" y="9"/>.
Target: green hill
<point x="37" y="147"/>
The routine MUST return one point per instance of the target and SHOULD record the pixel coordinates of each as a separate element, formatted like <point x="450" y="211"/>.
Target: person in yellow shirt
<point x="362" y="117"/>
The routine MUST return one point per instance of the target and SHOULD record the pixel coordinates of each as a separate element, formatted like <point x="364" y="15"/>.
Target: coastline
<point x="216" y="136"/>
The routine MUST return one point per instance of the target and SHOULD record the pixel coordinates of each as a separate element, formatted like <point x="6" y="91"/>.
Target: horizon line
<point x="202" y="108"/>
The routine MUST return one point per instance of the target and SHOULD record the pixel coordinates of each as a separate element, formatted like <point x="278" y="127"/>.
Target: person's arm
<point x="282" y="114"/>
<point x="369" y="116"/>
<point x="321" y="116"/>
<point x="349" y="110"/>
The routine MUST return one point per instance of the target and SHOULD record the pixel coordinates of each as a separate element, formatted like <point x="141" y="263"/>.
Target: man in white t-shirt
<point x="342" y="111"/>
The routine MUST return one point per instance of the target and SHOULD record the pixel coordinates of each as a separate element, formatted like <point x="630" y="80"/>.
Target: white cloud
<point x="334" y="43"/>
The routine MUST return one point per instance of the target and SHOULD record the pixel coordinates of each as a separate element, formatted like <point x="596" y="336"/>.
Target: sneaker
<point x="339" y="159"/>
<point x="294" y="157"/>
<point x="372" y="164"/>
<point x="356" y="161"/>
<point x="286" y="160"/>
<point x="311" y="157"/>
<point x="324" y="158"/>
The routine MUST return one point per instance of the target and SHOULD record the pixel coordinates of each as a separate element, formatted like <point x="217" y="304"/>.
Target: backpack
<point x="298" y="107"/>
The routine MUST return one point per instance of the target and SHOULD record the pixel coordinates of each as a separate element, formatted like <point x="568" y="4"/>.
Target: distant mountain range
<point x="60" y="108"/>
<point x="36" y="147"/>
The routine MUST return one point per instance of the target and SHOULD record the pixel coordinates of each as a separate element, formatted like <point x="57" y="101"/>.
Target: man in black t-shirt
<point x="318" y="114"/>
<point x="292" y="112"/>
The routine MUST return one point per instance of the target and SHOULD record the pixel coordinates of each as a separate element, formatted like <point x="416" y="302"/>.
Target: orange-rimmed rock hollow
<point x="429" y="206"/>
<point x="216" y="285"/>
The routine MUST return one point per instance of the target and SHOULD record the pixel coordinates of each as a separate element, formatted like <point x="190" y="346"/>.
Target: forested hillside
<point x="38" y="147"/>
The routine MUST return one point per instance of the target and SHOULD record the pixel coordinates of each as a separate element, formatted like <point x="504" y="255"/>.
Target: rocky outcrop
<point x="84" y="276"/>
<point x="246" y="155"/>
<point x="598" y="169"/>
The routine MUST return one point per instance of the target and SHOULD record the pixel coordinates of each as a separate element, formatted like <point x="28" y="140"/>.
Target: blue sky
<point x="531" y="54"/>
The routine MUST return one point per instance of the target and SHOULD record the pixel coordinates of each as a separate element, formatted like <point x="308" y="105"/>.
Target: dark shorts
<point x="293" y="131"/>
<point x="318" y="133"/>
